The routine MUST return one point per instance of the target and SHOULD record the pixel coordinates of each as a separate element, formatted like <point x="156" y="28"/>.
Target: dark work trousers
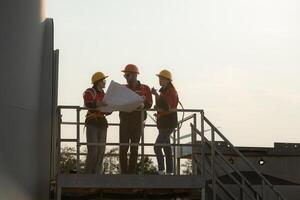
<point x="129" y="133"/>
<point x="164" y="138"/>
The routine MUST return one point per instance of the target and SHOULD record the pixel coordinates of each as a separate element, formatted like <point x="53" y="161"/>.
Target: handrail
<point x="244" y="158"/>
<point x="245" y="185"/>
<point x="152" y="109"/>
<point x="142" y="144"/>
<point x="222" y="186"/>
<point x="228" y="164"/>
<point x="223" y="158"/>
<point x="185" y="119"/>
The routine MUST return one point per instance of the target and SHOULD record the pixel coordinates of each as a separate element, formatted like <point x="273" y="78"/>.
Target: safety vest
<point x="91" y="96"/>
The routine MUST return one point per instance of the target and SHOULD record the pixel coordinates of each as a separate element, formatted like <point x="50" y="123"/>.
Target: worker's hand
<point x="154" y="91"/>
<point x="101" y="103"/>
<point x="140" y="107"/>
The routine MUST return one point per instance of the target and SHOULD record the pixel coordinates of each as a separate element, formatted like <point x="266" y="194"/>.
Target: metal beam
<point x="129" y="181"/>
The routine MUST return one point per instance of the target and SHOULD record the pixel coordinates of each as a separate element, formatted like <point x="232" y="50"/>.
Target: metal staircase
<point x="209" y="165"/>
<point x="212" y="164"/>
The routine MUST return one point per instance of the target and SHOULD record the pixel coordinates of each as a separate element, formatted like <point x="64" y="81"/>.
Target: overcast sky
<point x="239" y="60"/>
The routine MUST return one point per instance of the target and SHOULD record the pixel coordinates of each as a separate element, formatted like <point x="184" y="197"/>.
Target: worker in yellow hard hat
<point x="166" y="106"/>
<point x="131" y="122"/>
<point x="96" y="123"/>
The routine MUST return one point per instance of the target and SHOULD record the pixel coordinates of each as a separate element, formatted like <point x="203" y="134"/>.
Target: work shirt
<point x="134" y="118"/>
<point x="166" y="104"/>
<point x="96" y="118"/>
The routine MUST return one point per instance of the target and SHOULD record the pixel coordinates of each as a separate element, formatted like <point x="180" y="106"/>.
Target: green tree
<point x="149" y="167"/>
<point x="187" y="167"/>
<point x="68" y="160"/>
<point x="111" y="162"/>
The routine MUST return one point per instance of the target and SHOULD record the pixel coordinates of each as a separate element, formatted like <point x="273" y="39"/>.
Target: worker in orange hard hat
<point x="166" y="106"/>
<point x="131" y="122"/>
<point x="96" y="123"/>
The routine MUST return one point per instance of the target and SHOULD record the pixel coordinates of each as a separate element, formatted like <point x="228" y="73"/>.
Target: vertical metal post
<point x="174" y="151"/>
<point x="213" y="163"/>
<point x="77" y="140"/>
<point x="58" y="193"/>
<point x="194" y="167"/>
<point x="58" y="153"/>
<point x="263" y="189"/>
<point x="54" y="114"/>
<point x="178" y="148"/>
<point x="242" y="189"/>
<point x="58" y="142"/>
<point x="142" y="141"/>
<point x="203" y="189"/>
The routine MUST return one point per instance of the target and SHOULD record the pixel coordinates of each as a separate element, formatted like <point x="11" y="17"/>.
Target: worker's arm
<point x="90" y="100"/>
<point x="148" y="97"/>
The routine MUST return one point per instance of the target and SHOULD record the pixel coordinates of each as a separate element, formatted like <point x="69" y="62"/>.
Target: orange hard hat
<point x="131" y="68"/>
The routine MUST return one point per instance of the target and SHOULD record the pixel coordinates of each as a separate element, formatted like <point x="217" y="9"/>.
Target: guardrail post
<point x="142" y="141"/>
<point x="173" y="148"/>
<point x="58" y="142"/>
<point x="194" y="139"/>
<point x="58" y="153"/>
<point x="213" y="163"/>
<point x="203" y="189"/>
<point x="263" y="190"/>
<point x="77" y="140"/>
<point x="177" y="149"/>
<point x="242" y="189"/>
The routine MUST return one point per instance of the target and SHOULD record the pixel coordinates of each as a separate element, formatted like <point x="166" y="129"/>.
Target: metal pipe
<point x="174" y="151"/>
<point x="220" y="155"/>
<point x="185" y="119"/>
<point x="213" y="163"/>
<point x="203" y="188"/>
<point x="143" y="147"/>
<point x="132" y="144"/>
<point x="177" y="149"/>
<point x="263" y="190"/>
<point x="194" y="138"/>
<point x="58" y="142"/>
<point x="85" y="108"/>
<point x="243" y="158"/>
<point x="78" y="140"/>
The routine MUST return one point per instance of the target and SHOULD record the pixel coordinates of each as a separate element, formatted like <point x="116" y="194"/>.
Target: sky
<point x="239" y="60"/>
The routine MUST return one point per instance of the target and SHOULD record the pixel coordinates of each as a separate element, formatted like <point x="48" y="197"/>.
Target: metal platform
<point x="129" y="181"/>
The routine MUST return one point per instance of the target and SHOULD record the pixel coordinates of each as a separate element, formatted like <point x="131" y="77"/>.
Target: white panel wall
<point x="25" y="115"/>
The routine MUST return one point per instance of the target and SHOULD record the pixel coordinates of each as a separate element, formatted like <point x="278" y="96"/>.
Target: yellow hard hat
<point x="98" y="76"/>
<point x="165" y="74"/>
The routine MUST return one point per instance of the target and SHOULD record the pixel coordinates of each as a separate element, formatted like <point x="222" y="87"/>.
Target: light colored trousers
<point x="95" y="154"/>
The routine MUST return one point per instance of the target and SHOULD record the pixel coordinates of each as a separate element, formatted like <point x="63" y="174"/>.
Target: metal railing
<point x="78" y="123"/>
<point x="207" y="164"/>
<point x="217" y="159"/>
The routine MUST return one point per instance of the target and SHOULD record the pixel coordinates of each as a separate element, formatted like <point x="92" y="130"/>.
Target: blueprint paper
<point x="119" y="98"/>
